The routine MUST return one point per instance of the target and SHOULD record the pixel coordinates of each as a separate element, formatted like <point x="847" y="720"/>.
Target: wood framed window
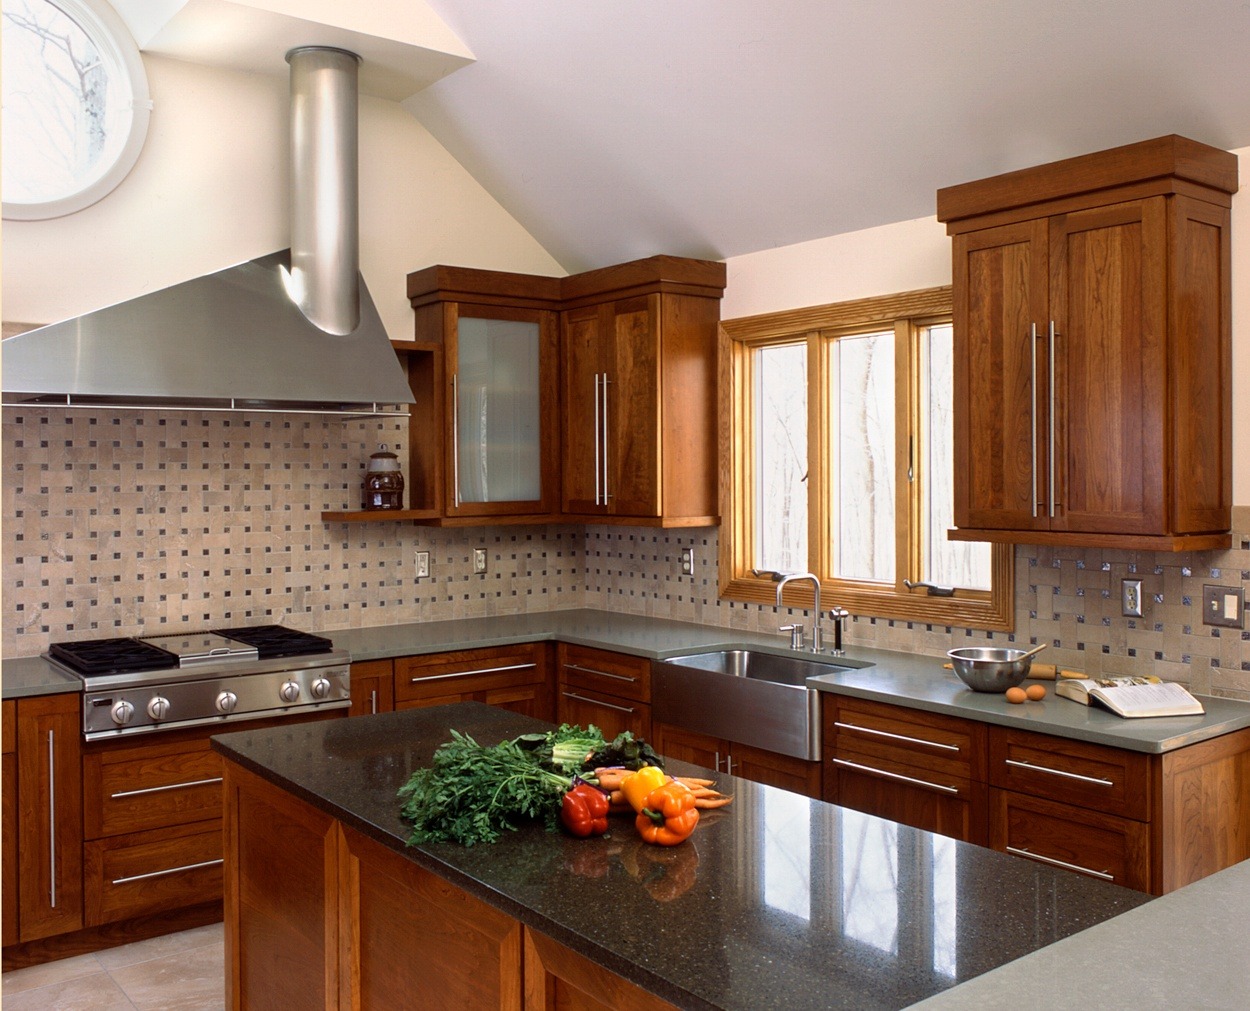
<point x="838" y="461"/>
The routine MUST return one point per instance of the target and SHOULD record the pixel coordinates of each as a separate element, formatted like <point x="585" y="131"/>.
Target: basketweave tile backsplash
<point x="132" y="523"/>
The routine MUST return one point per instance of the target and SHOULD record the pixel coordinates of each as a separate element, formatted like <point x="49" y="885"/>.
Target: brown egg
<point x="1035" y="692"/>
<point x="1016" y="695"/>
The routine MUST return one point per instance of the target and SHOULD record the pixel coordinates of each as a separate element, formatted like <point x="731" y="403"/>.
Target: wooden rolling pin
<point x="1042" y="672"/>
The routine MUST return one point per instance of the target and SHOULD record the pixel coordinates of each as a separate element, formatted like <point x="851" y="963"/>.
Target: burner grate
<point x="276" y="640"/>
<point x="111" y="656"/>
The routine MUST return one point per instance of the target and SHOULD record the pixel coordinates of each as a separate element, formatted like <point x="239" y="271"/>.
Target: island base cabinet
<point x="320" y="916"/>
<point x="1099" y="845"/>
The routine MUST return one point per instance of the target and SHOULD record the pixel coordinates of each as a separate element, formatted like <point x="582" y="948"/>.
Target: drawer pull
<point x="162" y="789"/>
<point x="897" y="737"/>
<point x="171" y="870"/>
<point x="469" y="673"/>
<point x="1059" y="772"/>
<point x="1028" y="855"/>
<point x="598" y="702"/>
<point x="600" y="673"/>
<point x="894" y="775"/>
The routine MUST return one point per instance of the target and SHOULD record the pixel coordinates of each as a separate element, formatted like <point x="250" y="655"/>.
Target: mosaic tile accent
<point x="133" y="523"/>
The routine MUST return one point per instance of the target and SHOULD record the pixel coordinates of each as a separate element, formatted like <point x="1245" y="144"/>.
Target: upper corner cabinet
<point x="487" y="415"/>
<point x="1093" y="349"/>
<point x="639" y="392"/>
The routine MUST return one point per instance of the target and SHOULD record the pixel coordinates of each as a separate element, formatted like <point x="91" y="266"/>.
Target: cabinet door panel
<point x="1000" y="278"/>
<point x="582" y="360"/>
<point x="373" y="688"/>
<point x="633" y="398"/>
<point x="689" y="746"/>
<point x="1108" y="283"/>
<point x="771" y="769"/>
<point x="49" y="820"/>
<point x="1100" y="845"/>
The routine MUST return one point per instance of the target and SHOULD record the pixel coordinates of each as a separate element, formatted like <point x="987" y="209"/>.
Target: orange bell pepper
<point x="669" y="815"/>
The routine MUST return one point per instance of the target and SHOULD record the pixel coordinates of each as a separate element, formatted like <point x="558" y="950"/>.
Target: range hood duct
<point x="293" y="331"/>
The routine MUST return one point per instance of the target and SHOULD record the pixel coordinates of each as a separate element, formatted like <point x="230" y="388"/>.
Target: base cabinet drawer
<point x="928" y="799"/>
<point x="514" y="677"/>
<point x="934" y="742"/>
<point x="150" y="785"/>
<point x="596" y="670"/>
<point x="1100" y="845"/>
<point x="611" y="714"/>
<point x="149" y="872"/>
<point x="1111" y="780"/>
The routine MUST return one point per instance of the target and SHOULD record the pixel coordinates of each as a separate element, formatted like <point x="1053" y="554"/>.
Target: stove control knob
<point x="320" y="688"/>
<point x="123" y="712"/>
<point x="289" y="692"/>
<point x="226" y="701"/>
<point x="158" y="707"/>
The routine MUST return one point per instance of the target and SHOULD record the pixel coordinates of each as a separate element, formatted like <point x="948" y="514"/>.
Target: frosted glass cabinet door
<point x="496" y="387"/>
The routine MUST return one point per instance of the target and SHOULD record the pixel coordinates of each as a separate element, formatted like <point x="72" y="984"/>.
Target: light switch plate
<point x="479" y="559"/>
<point x="1224" y="606"/>
<point x="1130" y="598"/>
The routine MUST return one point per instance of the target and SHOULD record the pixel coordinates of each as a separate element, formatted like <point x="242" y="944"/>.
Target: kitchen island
<point x="777" y="900"/>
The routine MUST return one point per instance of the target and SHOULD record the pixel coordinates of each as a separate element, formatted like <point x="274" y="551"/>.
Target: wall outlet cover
<point x="1130" y="598"/>
<point x="687" y="561"/>
<point x="479" y="559"/>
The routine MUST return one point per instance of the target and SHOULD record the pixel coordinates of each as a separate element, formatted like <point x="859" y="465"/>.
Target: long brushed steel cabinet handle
<point x="1030" y="855"/>
<point x="941" y="787"/>
<point x="598" y="469"/>
<point x="468" y="673"/>
<point x="1033" y="396"/>
<point x="1058" y="772"/>
<point x="1051" y="455"/>
<point x="897" y="737"/>
<point x="597" y="702"/>
<point x="162" y="789"/>
<point x="601" y="673"/>
<point x="51" y="818"/>
<point x="607" y="495"/>
<point x="166" y="872"/>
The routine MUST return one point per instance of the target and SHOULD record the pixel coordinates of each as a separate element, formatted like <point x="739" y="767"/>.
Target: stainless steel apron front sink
<point x="746" y="696"/>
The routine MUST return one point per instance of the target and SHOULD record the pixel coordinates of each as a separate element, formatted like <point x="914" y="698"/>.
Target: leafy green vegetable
<point x="473" y="793"/>
<point x="627" y="751"/>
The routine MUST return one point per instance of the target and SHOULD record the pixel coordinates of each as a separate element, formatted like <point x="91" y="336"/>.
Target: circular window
<point x="75" y="105"/>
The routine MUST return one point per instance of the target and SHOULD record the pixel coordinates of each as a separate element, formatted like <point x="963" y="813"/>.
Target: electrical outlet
<point x="1224" y="606"/>
<point x="1130" y="598"/>
<point x="479" y="559"/>
<point x="687" y="561"/>
<point x="423" y="565"/>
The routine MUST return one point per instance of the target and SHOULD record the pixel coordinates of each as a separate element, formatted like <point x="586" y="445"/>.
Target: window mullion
<point x="908" y="457"/>
<point x="819" y="463"/>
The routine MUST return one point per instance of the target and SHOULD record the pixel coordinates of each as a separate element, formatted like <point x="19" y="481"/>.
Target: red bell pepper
<point x="584" y="810"/>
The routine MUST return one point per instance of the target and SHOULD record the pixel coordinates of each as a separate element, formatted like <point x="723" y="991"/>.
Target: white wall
<point x="916" y="254"/>
<point x="210" y="190"/>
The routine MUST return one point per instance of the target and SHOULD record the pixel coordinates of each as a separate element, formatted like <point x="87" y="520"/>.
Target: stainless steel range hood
<point x="292" y="331"/>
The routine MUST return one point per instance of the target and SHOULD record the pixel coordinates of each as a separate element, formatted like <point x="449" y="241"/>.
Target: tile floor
<point x="175" y="972"/>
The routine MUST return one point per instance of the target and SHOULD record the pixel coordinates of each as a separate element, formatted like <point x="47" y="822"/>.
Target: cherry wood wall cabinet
<point x="1092" y="327"/>
<point x="639" y="392"/>
<point x="511" y="677"/>
<point x="742" y="760"/>
<point x="373" y="687"/>
<point x="610" y="690"/>
<point x="921" y="769"/>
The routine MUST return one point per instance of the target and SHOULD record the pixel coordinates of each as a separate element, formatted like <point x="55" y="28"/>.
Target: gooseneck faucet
<point x="789" y="577"/>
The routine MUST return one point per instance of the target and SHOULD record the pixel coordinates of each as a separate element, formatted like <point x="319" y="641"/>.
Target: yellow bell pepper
<point x="637" y="787"/>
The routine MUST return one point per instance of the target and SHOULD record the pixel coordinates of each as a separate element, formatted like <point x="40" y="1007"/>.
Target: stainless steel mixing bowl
<point x="986" y="669"/>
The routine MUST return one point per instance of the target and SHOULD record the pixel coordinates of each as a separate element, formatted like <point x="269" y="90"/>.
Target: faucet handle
<point x="796" y="635"/>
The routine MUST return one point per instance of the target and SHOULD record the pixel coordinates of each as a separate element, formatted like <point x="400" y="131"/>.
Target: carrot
<point x="693" y="783"/>
<point x="611" y="778"/>
<point x="709" y="803"/>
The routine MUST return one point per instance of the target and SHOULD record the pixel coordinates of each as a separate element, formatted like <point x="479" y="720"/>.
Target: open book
<point x="1132" y="696"/>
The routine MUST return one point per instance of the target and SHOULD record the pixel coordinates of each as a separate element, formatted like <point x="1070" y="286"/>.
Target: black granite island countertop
<point x="776" y="901"/>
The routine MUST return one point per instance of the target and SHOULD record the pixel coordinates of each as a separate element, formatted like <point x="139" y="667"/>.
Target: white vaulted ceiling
<point x="613" y="129"/>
